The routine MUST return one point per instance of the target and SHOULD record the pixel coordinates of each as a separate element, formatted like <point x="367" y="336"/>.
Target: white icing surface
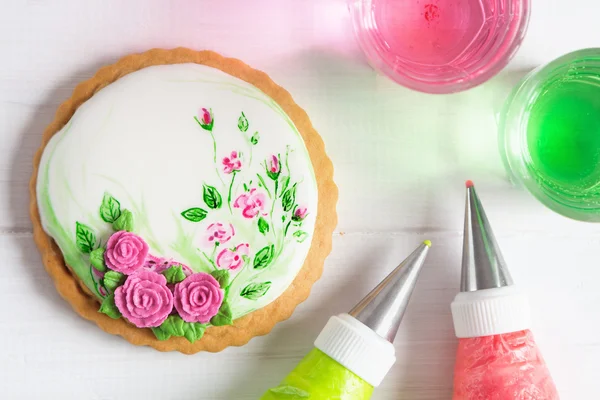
<point x="137" y="140"/>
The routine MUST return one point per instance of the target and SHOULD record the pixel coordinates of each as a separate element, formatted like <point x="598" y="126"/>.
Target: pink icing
<point x="160" y="264"/>
<point x="252" y="203"/>
<point x="274" y="164"/>
<point x="502" y="367"/>
<point x="232" y="258"/>
<point x="300" y="214"/>
<point x="144" y="299"/>
<point x="232" y="163"/>
<point x="198" y="298"/>
<point x="218" y="233"/>
<point x="205" y="116"/>
<point x="125" y="252"/>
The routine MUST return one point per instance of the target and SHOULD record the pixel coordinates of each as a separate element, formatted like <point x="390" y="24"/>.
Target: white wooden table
<point x="401" y="159"/>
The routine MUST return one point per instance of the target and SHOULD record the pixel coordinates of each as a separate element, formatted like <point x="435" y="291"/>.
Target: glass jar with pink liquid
<point x="439" y="46"/>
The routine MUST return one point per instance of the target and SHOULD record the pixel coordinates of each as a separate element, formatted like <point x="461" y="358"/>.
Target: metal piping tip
<point x="483" y="266"/>
<point x="383" y="308"/>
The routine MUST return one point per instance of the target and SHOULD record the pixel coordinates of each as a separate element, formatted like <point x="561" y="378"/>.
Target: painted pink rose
<point x="218" y="233"/>
<point x="233" y="258"/>
<point x="232" y="163"/>
<point x="299" y="214"/>
<point x="251" y="203"/>
<point x="205" y="118"/>
<point x="125" y="252"/>
<point x="273" y="167"/>
<point x="198" y="298"/>
<point x="144" y="299"/>
<point x="160" y="264"/>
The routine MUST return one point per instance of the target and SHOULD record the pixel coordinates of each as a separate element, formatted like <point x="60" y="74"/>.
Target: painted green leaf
<point x="175" y="326"/>
<point x="224" y="316"/>
<point x="285" y="182"/>
<point x="300" y="236"/>
<point x="212" y="198"/>
<point x="222" y="276"/>
<point x="124" y="222"/>
<point x="255" y="138"/>
<point x="289" y="391"/>
<point x="243" y="123"/>
<point x="110" y="209"/>
<point x="255" y="291"/>
<point x="263" y="225"/>
<point x="112" y="280"/>
<point x="174" y="274"/>
<point x="263" y="258"/>
<point x="194" y="214"/>
<point x="97" y="259"/>
<point x="288" y="199"/>
<point x="109" y="307"/>
<point x="84" y="238"/>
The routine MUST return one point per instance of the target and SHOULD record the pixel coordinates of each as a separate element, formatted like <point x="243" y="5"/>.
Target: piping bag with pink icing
<point x="497" y="357"/>
<point x="354" y="351"/>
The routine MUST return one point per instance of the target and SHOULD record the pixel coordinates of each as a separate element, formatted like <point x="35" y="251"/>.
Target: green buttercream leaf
<point x="243" y="123"/>
<point x="255" y="138"/>
<point x="285" y="182"/>
<point x="97" y="259"/>
<point x="288" y="199"/>
<point x="194" y="214"/>
<point x="222" y="276"/>
<point x="174" y="274"/>
<point x="224" y="316"/>
<point x="110" y="209"/>
<point x="300" y="236"/>
<point x="212" y="198"/>
<point x="255" y="291"/>
<point x="263" y="225"/>
<point x="289" y="392"/>
<point x="84" y="238"/>
<point x="124" y="222"/>
<point x="263" y="258"/>
<point x="109" y="307"/>
<point x="112" y="280"/>
<point x="175" y="326"/>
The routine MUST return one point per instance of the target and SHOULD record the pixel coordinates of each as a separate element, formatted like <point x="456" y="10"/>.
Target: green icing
<point x="212" y="197"/>
<point x="109" y="307"/>
<point x="97" y="259"/>
<point x="243" y="123"/>
<point x="124" y="222"/>
<point x="263" y="258"/>
<point x="174" y="274"/>
<point x="222" y="276"/>
<point x="112" y="280"/>
<point x="224" y="316"/>
<point x="194" y="214"/>
<point x="175" y="326"/>
<point x="318" y="376"/>
<point x="110" y="210"/>
<point x="263" y="225"/>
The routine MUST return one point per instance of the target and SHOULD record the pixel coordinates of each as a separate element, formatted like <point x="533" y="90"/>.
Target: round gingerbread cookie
<point x="183" y="201"/>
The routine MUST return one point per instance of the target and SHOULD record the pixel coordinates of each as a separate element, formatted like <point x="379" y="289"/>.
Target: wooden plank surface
<point x="401" y="159"/>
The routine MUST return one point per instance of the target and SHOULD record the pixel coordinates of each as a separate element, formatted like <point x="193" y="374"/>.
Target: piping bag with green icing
<point x="354" y="351"/>
<point x="497" y="356"/>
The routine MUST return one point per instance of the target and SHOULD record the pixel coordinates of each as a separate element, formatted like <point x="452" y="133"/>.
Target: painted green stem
<point x="229" y="195"/>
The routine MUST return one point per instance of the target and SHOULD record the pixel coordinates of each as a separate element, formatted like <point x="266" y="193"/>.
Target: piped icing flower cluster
<point x="171" y="298"/>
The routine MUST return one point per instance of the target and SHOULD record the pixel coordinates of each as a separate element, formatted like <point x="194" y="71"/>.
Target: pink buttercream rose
<point x="198" y="298"/>
<point x="232" y="258"/>
<point x="218" y="233"/>
<point x="144" y="299"/>
<point x="125" y="252"/>
<point x="232" y="163"/>
<point x="252" y="203"/>
<point x="274" y="164"/>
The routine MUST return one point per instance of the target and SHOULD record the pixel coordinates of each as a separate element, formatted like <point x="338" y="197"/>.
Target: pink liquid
<point x="440" y="45"/>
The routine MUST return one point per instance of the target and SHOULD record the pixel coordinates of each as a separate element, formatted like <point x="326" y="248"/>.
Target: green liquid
<point x="563" y="137"/>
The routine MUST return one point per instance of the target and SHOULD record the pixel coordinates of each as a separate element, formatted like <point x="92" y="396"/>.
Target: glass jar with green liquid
<point x="550" y="134"/>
